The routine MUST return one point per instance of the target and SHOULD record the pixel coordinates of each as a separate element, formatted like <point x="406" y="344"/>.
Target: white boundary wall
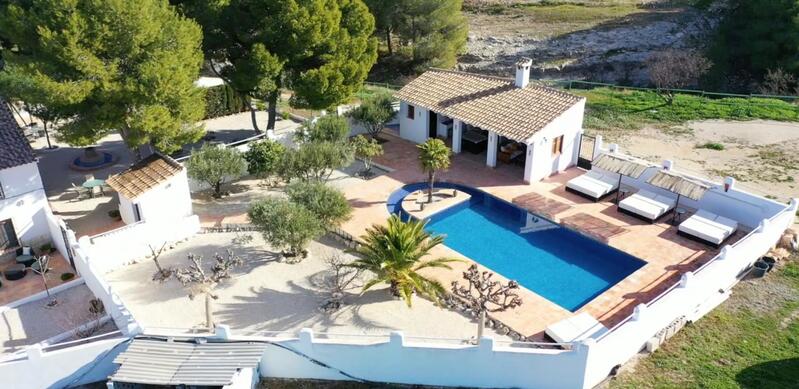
<point x="119" y="247"/>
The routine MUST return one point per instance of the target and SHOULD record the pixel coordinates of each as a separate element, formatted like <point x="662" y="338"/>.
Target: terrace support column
<point x="457" y="136"/>
<point x="528" y="163"/>
<point x="491" y="154"/>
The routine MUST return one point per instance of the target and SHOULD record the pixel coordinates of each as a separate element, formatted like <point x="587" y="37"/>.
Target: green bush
<point x="328" y="204"/>
<point x="285" y="224"/>
<point x="263" y="158"/>
<point x="214" y="165"/>
<point x="315" y="161"/>
<point x="328" y="128"/>
<point x="711" y="146"/>
<point x="67" y="276"/>
<point x="222" y="100"/>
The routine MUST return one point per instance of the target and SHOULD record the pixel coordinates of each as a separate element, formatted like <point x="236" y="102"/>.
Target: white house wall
<point x="170" y="201"/>
<point x="570" y="125"/>
<point x="25" y="203"/>
<point x="415" y="130"/>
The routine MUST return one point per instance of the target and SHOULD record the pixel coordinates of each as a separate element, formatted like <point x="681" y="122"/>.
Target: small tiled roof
<point x="491" y="103"/>
<point x="14" y="148"/>
<point x="144" y="175"/>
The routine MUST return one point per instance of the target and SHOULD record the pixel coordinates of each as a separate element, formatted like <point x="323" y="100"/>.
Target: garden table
<point x="94" y="183"/>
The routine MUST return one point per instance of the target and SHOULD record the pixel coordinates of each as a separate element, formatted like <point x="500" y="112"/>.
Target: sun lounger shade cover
<point x="621" y="164"/>
<point x="160" y="362"/>
<point x="681" y="185"/>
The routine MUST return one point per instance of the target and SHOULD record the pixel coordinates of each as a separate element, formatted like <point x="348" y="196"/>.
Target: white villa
<point x="23" y="205"/>
<point x="508" y="121"/>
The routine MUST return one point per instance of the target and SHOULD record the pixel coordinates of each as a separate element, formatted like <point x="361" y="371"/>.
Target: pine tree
<point x="106" y="66"/>
<point x="321" y="49"/>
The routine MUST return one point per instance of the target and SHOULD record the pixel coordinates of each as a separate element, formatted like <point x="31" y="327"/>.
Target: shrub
<point x="263" y="158"/>
<point x="285" y="224"/>
<point x="67" y="276"/>
<point x="315" y="161"/>
<point x="366" y="149"/>
<point x="215" y="165"/>
<point x="328" y="204"/>
<point x="329" y="128"/>
<point x="374" y="112"/>
<point x="711" y="146"/>
<point x="222" y="100"/>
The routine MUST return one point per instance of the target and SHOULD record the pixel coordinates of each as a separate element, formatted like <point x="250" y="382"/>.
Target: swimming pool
<point x="555" y="262"/>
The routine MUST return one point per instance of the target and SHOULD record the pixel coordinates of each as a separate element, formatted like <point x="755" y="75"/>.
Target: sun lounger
<point x="647" y="205"/>
<point x="575" y="328"/>
<point x="593" y="184"/>
<point x="708" y="227"/>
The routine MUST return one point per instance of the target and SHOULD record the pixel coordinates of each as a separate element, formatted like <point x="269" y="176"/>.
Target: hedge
<point x="222" y="100"/>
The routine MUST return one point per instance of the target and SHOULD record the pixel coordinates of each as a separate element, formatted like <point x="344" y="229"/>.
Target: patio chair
<point x="708" y="228"/>
<point x="82" y="192"/>
<point x="647" y="205"/>
<point x="593" y="185"/>
<point x="88" y="177"/>
<point x="25" y="256"/>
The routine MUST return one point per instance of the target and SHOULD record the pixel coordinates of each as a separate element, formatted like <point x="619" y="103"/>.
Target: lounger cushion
<point x="709" y="227"/>
<point x="593" y="183"/>
<point x="648" y="204"/>
<point x="577" y="327"/>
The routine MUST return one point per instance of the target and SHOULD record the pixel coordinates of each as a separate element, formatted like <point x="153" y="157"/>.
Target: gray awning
<point x="679" y="184"/>
<point x="161" y="362"/>
<point x="622" y="164"/>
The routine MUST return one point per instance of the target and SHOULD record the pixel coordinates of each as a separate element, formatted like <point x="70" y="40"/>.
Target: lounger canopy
<point x="679" y="184"/>
<point x="623" y="165"/>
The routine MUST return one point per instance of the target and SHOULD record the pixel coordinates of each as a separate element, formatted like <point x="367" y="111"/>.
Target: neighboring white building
<point x="24" y="211"/>
<point x="154" y="189"/>
<point x="509" y="121"/>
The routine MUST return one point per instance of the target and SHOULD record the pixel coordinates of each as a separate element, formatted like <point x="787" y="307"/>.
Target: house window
<point x="411" y="111"/>
<point x="557" y="146"/>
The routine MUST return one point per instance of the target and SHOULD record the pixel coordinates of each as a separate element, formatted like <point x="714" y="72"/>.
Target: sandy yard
<point x="760" y="154"/>
<point x="35" y="322"/>
<point x="267" y="295"/>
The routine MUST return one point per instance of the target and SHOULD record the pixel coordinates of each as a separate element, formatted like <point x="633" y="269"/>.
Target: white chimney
<point x="523" y="71"/>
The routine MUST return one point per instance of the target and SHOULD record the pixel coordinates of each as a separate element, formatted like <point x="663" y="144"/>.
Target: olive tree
<point x="215" y="165"/>
<point x="374" y="112"/>
<point x="315" y="161"/>
<point x="328" y="204"/>
<point x="264" y="158"/>
<point x="366" y="150"/>
<point x="286" y="224"/>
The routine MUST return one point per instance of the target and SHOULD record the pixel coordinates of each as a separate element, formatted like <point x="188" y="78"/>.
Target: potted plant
<point x="67" y="276"/>
<point x="114" y="214"/>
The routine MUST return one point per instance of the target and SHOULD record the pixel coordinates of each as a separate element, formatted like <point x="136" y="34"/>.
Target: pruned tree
<point x="315" y="161"/>
<point x="43" y="266"/>
<point x="366" y="150"/>
<point x="202" y="281"/>
<point x="328" y="204"/>
<point x="285" y="224"/>
<point x="328" y="128"/>
<point x="161" y="273"/>
<point x="339" y="278"/>
<point x="676" y="69"/>
<point x="484" y="294"/>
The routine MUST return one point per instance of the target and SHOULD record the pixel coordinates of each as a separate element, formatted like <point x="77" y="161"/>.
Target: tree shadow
<point x="782" y="373"/>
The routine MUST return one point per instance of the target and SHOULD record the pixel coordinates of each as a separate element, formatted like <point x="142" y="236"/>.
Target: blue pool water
<point x="557" y="263"/>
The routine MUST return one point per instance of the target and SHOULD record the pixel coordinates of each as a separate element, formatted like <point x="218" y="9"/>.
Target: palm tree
<point x="434" y="156"/>
<point x="394" y="254"/>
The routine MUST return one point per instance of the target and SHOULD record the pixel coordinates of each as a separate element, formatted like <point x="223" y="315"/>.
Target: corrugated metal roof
<point x="161" y="362"/>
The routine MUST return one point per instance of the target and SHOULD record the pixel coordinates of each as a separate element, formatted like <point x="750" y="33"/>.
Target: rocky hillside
<point x="597" y="40"/>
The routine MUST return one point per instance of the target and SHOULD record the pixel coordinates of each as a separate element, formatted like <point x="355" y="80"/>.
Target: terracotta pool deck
<point x="667" y="254"/>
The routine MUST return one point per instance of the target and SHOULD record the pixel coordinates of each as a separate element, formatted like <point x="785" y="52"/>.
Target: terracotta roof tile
<point x="491" y="103"/>
<point x="144" y="175"/>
